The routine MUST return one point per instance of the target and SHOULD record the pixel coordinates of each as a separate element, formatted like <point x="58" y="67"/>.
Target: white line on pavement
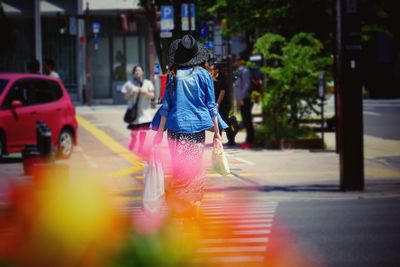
<point x="241" y="160"/>
<point x="371" y="113"/>
<point x="252" y="232"/>
<point x="251" y="215"/>
<point x="235" y="240"/>
<point x="236" y="259"/>
<point x="91" y="162"/>
<point x="232" y="249"/>
<point x="243" y="226"/>
<point x="244" y="221"/>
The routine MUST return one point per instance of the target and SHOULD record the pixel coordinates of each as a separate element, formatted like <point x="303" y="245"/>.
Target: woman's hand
<point x="217" y="136"/>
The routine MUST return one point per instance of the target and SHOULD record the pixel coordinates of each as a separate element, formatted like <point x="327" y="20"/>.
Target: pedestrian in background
<point x="242" y="86"/>
<point x="48" y="68"/>
<point x="187" y="111"/>
<point x="139" y="87"/>
<point x="33" y="66"/>
<point x="223" y="98"/>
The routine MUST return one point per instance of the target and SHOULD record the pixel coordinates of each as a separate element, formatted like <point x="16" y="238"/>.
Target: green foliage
<point x="292" y="71"/>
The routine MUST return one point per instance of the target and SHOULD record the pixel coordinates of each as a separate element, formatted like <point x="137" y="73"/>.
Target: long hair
<point x="172" y="69"/>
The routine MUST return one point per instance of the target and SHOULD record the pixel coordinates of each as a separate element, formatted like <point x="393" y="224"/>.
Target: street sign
<point x="185" y="17"/>
<point x="72" y="25"/>
<point x="203" y="29"/>
<point x="255" y="57"/>
<point x="157" y="69"/>
<point x="165" y="34"/>
<point x="96" y="31"/>
<point x="167" y="18"/>
<point x="96" y="27"/>
<point x="321" y="86"/>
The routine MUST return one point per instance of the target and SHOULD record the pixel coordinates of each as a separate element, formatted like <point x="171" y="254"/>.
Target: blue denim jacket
<point x="190" y="107"/>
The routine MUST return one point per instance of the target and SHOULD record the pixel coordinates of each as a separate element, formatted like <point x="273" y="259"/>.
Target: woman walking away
<point x="187" y="111"/>
<point x="143" y="89"/>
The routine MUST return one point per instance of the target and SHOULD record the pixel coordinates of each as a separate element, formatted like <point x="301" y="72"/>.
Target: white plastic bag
<point x="219" y="161"/>
<point x="154" y="191"/>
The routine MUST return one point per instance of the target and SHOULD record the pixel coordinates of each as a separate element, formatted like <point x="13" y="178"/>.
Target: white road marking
<point x="236" y="259"/>
<point x="232" y="249"/>
<point x="371" y="113"/>
<point x="91" y="162"/>
<point x="235" y="240"/>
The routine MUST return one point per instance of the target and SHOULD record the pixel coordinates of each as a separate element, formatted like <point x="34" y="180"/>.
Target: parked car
<point x="27" y="98"/>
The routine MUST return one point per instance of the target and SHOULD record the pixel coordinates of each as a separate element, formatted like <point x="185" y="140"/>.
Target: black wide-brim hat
<point x="187" y="52"/>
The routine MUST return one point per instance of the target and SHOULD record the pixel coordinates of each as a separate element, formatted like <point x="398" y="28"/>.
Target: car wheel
<point x="65" y="144"/>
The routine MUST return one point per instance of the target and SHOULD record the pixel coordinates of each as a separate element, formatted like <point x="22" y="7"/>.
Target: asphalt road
<point x="358" y="232"/>
<point x="382" y="118"/>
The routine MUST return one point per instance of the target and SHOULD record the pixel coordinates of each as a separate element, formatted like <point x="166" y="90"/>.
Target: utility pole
<point x="349" y="92"/>
<point x="88" y="85"/>
<point x="230" y="64"/>
<point x="38" y="31"/>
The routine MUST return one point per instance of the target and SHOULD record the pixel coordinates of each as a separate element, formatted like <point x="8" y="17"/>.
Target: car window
<point x="19" y="91"/>
<point x="56" y="90"/>
<point x="3" y="84"/>
<point x="40" y="92"/>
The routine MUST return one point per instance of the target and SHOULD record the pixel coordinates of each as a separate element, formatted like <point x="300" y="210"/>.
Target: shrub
<point x="292" y="70"/>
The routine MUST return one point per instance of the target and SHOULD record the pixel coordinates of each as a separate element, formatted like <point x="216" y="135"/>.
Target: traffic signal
<point x="62" y="22"/>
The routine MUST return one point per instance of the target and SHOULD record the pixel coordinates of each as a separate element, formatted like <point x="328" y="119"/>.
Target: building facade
<point x="94" y="43"/>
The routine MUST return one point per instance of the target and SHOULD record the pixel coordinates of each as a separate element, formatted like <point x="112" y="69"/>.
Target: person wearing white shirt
<point x="48" y="68"/>
<point x="144" y="89"/>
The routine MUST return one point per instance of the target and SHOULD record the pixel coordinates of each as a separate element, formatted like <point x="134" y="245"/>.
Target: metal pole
<point x="190" y="17"/>
<point x="88" y="86"/>
<point x="350" y="117"/>
<point x="322" y="119"/>
<point x="38" y="32"/>
<point x="80" y="52"/>
<point x="322" y="97"/>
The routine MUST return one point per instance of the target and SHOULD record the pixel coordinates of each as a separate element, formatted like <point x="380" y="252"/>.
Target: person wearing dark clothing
<point x="242" y="86"/>
<point x="33" y="66"/>
<point x="223" y="99"/>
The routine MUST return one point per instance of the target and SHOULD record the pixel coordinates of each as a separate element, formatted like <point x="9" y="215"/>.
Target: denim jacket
<point x="189" y="107"/>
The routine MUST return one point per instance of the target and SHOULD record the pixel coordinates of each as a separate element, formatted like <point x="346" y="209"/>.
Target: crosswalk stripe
<point x="243" y="221"/>
<point x="235" y="240"/>
<point x="233" y="232"/>
<point x="236" y="259"/>
<point x="232" y="249"/>
<point x="252" y="232"/>
<point x="243" y="226"/>
<point x="219" y="211"/>
<point x="245" y="215"/>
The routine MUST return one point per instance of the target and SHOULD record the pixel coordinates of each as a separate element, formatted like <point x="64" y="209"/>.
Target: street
<point x="381" y="118"/>
<point x="281" y="208"/>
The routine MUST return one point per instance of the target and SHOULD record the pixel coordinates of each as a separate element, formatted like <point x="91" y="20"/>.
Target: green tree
<point x="292" y="71"/>
<point x="287" y="18"/>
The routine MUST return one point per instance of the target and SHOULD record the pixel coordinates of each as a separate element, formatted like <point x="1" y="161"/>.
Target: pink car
<point x="27" y="98"/>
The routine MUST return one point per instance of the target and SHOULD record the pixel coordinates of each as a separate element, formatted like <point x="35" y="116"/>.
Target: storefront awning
<point x="47" y="7"/>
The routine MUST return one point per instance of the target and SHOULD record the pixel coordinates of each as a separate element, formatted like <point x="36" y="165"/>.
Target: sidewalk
<point x="299" y="170"/>
<point x="292" y="170"/>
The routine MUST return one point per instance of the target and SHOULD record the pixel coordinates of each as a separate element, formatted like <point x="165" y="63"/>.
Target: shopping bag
<point x="154" y="191"/>
<point x="219" y="161"/>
